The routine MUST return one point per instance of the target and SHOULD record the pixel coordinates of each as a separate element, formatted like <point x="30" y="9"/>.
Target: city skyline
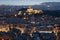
<point x="24" y="2"/>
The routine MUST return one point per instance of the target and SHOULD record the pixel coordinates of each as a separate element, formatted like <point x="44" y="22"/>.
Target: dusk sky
<point x="24" y="2"/>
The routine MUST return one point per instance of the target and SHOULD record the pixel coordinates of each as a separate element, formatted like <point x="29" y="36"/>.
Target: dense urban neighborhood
<point x="28" y="23"/>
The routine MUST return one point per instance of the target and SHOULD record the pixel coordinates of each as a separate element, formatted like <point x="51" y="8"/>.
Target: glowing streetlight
<point x="15" y="15"/>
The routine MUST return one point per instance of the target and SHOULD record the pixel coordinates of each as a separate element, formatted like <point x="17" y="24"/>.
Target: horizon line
<point x="23" y="5"/>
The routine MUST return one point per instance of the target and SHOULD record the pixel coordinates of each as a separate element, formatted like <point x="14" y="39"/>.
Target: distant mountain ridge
<point x="43" y="6"/>
<point x="48" y="6"/>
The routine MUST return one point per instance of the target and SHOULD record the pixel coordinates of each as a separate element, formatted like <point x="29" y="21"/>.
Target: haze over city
<point x="24" y="2"/>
